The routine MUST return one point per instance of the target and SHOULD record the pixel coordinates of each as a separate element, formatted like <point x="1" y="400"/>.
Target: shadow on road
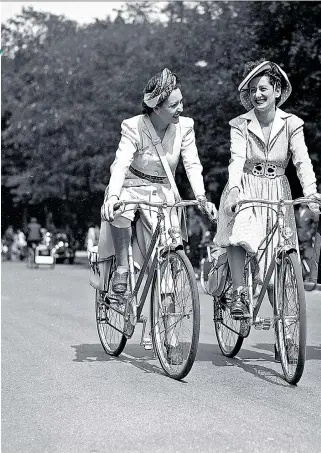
<point x="246" y="359"/>
<point x="133" y="354"/>
<point x="312" y="352"/>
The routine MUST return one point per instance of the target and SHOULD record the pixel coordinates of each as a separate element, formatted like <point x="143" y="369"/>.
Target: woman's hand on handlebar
<point x="232" y="199"/>
<point x="207" y="207"/>
<point x="108" y="208"/>
<point x="314" y="206"/>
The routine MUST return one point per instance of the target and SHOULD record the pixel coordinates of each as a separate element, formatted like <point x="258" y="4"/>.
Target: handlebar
<point x="156" y="204"/>
<point x="300" y="200"/>
<point x="164" y="205"/>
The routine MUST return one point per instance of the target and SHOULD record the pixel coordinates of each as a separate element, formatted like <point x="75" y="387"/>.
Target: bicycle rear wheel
<point x="228" y="330"/>
<point x="175" y="314"/>
<point x="291" y="317"/>
<point x="110" y="324"/>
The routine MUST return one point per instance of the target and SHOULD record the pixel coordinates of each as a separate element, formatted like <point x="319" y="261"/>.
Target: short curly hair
<point x="273" y="74"/>
<point x="151" y="85"/>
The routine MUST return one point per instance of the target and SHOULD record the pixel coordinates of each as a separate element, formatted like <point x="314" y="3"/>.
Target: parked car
<point x="65" y="247"/>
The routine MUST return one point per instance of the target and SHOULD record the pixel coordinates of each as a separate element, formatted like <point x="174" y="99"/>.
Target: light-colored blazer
<point x="136" y="148"/>
<point x="286" y="141"/>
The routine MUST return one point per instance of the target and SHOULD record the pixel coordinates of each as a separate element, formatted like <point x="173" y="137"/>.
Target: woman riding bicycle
<point x="138" y="172"/>
<point x="262" y="142"/>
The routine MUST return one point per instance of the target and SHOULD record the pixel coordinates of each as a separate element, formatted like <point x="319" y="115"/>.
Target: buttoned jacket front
<point x="286" y="141"/>
<point x="136" y="149"/>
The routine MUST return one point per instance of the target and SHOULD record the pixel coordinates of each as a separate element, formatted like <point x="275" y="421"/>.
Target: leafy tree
<point x="66" y="88"/>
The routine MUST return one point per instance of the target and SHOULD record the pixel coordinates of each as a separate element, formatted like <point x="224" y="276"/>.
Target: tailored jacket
<point x="136" y="149"/>
<point x="286" y="141"/>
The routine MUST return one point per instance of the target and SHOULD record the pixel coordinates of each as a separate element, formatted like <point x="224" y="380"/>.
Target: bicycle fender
<point x="287" y="249"/>
<point x="171" y="248"/>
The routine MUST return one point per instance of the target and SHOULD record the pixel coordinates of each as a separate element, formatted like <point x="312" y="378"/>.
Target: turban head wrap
<point x="165" y="84"/>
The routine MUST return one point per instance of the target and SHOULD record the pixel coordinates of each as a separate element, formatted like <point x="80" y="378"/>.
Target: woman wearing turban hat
<point x="137" y="171"/>
<point x="262" y="142"/>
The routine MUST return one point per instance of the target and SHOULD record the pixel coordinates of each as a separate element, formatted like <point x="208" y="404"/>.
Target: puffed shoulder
<point x="133" y="122"/>
<point x="294" y="123"/>
<point x="130" y="127"/>
<point x="185" y="121"/>
<point x="237" y="122"/>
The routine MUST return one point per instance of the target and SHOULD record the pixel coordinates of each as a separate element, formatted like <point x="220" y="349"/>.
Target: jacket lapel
<point x="278" y="124"/>
<point x="253" y="125"/>
<point x="170" y="131"/>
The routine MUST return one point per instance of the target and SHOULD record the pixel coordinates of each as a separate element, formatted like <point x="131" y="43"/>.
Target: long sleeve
<point x="191" y="159"/>
<point x="124" y="157"/>
<point x="238" y="154"/>
<point x="301" y="157"/>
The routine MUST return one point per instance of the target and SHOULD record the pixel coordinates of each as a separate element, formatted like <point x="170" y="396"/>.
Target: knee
<point x="121" y="222"/>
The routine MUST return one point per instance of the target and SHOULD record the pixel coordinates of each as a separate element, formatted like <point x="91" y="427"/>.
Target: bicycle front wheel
<point x="228" y="330"/>
<point x="175" y="314"/>
<point x="110" y="324"/>
<point x="291" y="317"/>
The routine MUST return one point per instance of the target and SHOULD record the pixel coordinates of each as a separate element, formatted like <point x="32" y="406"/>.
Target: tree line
<point x="66" y="88"/>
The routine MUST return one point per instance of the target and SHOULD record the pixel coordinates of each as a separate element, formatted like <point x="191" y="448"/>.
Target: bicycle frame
<point x="279" y="228"/>
<point x="157" y="245"/>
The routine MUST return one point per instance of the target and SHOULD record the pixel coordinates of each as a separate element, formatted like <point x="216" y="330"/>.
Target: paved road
<point x="62" y="394"/>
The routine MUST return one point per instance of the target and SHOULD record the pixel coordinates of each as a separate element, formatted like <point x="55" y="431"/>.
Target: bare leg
<point x="236" y="260"/>
<point x="121" y="239"/>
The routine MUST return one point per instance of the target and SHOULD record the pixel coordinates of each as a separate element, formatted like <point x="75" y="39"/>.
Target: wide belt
<point x="264" y="169"/>
<point x="151" y="178"/>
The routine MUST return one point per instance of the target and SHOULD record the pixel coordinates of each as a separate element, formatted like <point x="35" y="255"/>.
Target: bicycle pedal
<point x="245" y="328"/>
<point x="267" y="323"/>
<point x="147" y="343"/>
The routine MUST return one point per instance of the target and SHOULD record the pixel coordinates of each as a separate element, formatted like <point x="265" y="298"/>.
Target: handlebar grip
<point x="117" y="205"/>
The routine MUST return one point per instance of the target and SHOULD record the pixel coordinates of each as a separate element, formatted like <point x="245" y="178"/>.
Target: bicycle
<point x="40" y="254"/>
<point x="288" y="305"/>
<point x="175" y="310"/>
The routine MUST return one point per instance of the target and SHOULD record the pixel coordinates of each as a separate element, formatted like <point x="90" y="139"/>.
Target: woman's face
<point x="263" y="95"/>
<point x="171" y="108"/>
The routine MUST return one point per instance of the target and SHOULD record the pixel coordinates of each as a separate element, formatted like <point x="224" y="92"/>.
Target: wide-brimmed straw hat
<point x="243" y="88"/>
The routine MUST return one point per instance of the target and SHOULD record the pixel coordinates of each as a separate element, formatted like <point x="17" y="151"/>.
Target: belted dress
<point x="257" y="169"/>
<point x="137" y="173"/>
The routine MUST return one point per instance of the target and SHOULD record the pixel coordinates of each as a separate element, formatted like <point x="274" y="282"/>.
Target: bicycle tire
<point x="227" y="329"/>
<point x="291" y="328"/>
<point x="107" y="319"/>
<point x="166" y="322"/>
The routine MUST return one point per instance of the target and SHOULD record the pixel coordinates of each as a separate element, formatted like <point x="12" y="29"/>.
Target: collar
<point x="255" y="127"/>
<point x="147" y="125"/>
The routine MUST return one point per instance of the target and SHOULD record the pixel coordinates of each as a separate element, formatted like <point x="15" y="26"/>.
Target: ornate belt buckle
<point x="270" y="171"/>
<point x="258" y="170"/>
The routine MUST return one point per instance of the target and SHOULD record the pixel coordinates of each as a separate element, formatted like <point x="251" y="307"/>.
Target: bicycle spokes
<point x="175" y="314"/>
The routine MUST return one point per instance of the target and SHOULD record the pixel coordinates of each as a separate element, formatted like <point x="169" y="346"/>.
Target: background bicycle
<point x="40" y="255"/>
